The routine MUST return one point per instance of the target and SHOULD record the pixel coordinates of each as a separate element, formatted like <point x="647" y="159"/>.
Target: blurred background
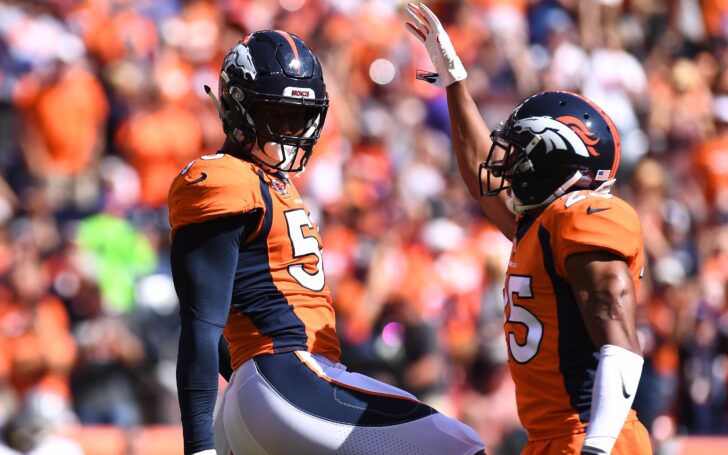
<point x="101" y="105"/>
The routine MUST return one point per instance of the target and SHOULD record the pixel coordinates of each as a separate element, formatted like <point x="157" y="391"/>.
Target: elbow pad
<point x="615" y="385"/>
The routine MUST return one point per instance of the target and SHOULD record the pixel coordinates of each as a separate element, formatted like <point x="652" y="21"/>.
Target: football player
<point x="576" y="260"/>
<point x="246" y="261"/>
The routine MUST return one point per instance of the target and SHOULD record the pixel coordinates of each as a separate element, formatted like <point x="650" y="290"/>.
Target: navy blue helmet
<point x="552" y="143"/>
<point x="273" y="99"/>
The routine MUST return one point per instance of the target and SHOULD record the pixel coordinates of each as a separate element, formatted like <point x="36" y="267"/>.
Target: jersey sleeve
<point x="213" y="188"/>
<point x="594" y="223"/>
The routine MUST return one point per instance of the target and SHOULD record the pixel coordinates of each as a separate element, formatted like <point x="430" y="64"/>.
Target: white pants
<point x="299" y="403"/>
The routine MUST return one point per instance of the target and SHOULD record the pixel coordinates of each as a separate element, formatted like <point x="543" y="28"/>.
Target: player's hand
<point x="426" y="27"/>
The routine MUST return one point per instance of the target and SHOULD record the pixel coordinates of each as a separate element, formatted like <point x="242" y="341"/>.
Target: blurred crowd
<point x="101" y="105"/>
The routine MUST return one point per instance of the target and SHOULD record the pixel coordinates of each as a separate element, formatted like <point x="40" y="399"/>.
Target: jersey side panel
<point x="578" y="358"/>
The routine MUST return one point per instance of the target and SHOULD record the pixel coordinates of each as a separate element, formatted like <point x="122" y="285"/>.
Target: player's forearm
<point x="615" y="386"/>
<point x="197" y="383"/>
<point x="470" y="134"/>
<point x="471" y="141"/>
<point x="620" y="365"/>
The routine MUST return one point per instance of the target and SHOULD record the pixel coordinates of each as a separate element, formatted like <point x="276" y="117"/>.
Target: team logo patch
<point x="280" y="187"/>
<point x="564" y="133"/>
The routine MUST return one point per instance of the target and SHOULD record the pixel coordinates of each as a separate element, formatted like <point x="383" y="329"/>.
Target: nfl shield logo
<point x="280" y="187"/>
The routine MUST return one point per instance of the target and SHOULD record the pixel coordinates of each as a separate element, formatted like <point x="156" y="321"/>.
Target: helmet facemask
<point x="505" y="159"/>
<point x="510" y="165"/>
<point x="272" y="100"/>
<point x="277" y="132"/>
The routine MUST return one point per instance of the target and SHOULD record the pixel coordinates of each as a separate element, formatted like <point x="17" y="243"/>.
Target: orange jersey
<point x="632" y="440"/>
<point x="551" y="357"/>
<point x="280" y="300"/>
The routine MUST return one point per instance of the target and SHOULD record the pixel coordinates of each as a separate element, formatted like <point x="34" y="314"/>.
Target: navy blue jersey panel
<point x="524" y="224"/>
<point x="256" y="295"/>
<point x="578" y="357"/>
<point x="304" y="389"/>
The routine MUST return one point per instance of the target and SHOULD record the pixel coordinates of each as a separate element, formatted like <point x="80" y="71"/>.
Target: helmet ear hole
<point x="237" y="94"/>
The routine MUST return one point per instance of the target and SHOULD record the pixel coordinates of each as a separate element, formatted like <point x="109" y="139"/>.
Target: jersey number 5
<point x="303" y="246"/>
<point x="524" y="350"/>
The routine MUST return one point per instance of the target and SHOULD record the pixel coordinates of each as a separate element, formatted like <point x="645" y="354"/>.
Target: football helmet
<point x="272" y="99"/>
<point x="552" y="143"/>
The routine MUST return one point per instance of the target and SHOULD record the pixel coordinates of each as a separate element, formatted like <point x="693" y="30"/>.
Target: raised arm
<point x="470" y="134"/>
<point x="471" y="141"/>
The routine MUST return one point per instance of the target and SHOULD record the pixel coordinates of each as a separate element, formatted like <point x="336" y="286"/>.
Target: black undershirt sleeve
<point x="204" y="260"/>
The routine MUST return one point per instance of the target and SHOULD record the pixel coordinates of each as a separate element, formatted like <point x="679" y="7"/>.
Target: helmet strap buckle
<point x="533" y="143"/>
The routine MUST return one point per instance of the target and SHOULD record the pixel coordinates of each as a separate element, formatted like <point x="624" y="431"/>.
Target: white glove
<point x="206" y="452"/>
<point x="426" y="27"/>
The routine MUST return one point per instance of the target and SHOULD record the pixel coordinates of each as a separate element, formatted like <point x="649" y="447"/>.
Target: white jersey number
<point x="520" y="286"/>
<point x="304" y="246"/>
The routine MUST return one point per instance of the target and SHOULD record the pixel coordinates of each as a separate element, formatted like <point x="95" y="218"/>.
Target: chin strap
<point x="214" y="99"/>
<point x="605" y="187"/>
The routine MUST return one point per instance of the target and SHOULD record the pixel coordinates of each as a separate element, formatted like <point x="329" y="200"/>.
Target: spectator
<point x="62" y="153"/>
<point x="108" y="358"/>
<point x="37" y="348"/>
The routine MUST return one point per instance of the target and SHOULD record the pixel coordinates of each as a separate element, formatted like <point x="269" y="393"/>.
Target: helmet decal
<point x="240" y="56"/>
<point x="299" y="92"/>
<point x="588" y="137"/>
<point x="555" y="134"/>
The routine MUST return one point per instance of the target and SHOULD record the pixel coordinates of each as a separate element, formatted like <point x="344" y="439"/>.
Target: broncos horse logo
<point x="240" y="56"/>
<point x="565" y="133"/>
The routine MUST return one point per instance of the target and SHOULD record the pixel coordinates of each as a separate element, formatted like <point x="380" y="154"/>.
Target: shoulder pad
<point x="583" y="221"/>
<point x="213" y="186"/>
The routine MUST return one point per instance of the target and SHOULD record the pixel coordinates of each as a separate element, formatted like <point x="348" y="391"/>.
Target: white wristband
<point x="206" y="452"/>
<point x="615" y="385"/>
